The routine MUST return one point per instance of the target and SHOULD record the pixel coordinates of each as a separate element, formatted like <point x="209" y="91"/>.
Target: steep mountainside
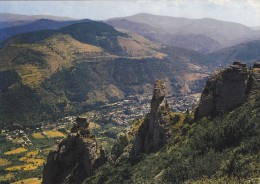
<point x="197" y="42"/>
<point x="170" y="30"/>
<point x="249" y="52"/>
<point x="223" y="149"/>
<point x="68" y="70"/>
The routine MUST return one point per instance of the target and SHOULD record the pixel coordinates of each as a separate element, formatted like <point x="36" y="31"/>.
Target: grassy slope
<point x="222" y="150"/>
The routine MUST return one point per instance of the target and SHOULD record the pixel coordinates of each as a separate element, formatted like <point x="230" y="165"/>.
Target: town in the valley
<point x="119" y="113"/>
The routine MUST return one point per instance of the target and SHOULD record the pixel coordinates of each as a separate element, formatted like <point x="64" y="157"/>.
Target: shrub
<point x="175" y="119"/>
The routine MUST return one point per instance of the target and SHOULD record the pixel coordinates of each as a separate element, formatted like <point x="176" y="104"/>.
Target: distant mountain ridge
<point x="197" y="42"/>
<point x="37" y="25"/>
<point x="10" y="19"/>
<point x="249" y="52"/>
<point x="165" y="30"/>
<point x="203" y="35"/>
<point x="20" y="17"/>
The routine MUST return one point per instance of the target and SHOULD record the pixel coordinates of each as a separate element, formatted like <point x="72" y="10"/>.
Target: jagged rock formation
<point x="256" y="65"/>
<point x="74" y="158"/>
<point x="225" y="90"/>
<point x="152" y="134"/>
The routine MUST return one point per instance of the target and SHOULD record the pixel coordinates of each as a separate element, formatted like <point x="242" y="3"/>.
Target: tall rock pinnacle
<point x="75" y="158"/>
<point x="152" y="134"/>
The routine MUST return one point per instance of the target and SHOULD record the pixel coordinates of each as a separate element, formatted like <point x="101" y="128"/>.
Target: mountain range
<point x="68" y="70"/>
<point x="56" y="68"/>
<point x="36" y="25"/>
<point x="9" y="19"/>
<point x="203" y="35"/>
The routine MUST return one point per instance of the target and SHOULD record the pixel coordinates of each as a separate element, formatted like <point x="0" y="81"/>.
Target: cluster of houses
<point x="19" y="136"/>
<point x="125" y="111"/>
<point x="118" y="113"/>
<point x="182" y="103"/>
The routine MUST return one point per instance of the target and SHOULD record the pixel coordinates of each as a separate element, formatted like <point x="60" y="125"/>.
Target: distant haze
<point x="246" y="12"/>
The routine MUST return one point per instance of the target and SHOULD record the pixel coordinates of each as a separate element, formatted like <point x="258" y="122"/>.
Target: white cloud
<point x="255" y="4"/>
<point x="220" y="2"/>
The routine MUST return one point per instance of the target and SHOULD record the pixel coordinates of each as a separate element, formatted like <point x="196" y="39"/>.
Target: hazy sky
<point x="243" y="11"/>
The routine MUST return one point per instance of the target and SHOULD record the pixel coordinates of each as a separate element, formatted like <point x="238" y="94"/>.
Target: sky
<point x="246" y="12"/>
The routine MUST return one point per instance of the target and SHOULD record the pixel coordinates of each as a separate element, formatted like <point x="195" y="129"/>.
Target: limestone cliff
<point x="152" y="134"/>
<point x="225" y="90"/>
<point x="74" y="158"/>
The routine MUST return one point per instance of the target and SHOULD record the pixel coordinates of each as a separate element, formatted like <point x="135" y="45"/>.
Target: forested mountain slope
<point x="49" y="73"/>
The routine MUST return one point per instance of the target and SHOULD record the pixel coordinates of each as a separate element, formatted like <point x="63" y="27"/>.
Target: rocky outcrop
<point x="225" y="90"/>
<point x="256" y="65"/>
<point x="152" y="134"/>
<point x="74" y="159"/>
<point x="255" y="75"/>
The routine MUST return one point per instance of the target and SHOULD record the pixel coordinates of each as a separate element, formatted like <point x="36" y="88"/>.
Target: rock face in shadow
<point x="256" y="65"/>
<point x="224" y="91"/>
<point x="74" y="159"/>
<point x="152" y="134"/>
